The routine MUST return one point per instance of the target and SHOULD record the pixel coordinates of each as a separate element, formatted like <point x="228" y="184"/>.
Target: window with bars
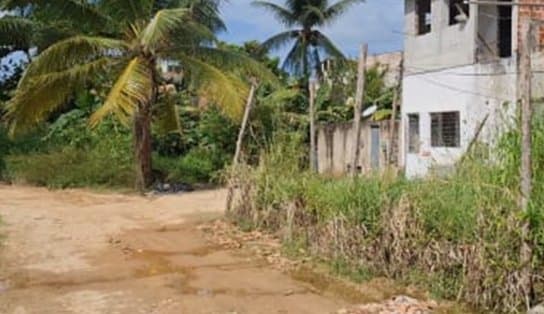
<point x="423" y="9"/>
<point x="413" y="133"/>
<point x="458" y="8"/>
<point x="445" y="129"/>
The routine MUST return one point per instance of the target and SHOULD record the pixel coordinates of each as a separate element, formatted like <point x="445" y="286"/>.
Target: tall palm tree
<point x="138" y="34"/>
<point x="309" y="44"/>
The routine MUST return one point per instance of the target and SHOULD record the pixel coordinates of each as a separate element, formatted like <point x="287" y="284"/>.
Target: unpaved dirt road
<point x="87" y="253"/>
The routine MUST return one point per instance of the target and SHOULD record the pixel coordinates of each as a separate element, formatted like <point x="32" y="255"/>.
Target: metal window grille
<point x="413" y="133"/>
<point x="445" y="129"/>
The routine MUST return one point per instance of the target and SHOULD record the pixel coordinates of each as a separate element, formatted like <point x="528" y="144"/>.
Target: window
<point x="458" y="8"/>
<point x="505" y="31"/>
<point x="423" y="9"/>
<point x="413" y="133"/>
<point x="445" y="129"/>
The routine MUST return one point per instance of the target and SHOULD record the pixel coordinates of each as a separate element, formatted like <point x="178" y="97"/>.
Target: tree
<point x="309" y="44"/>
<point x="139" y="33"/>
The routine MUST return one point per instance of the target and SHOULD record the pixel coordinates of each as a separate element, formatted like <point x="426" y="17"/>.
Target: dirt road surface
<point x="87" y="253"/>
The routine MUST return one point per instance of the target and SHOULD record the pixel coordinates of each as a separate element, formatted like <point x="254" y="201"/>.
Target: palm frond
<point x="336" y="10"/>
<point x="16" y="32"/>
<point x="283" y="15"/>
<point x="227" y="91"/>
<point x="161" y="26"/>
<point x="313" y="16"/>
<point x="75" y="10"/>
<point x="44" y="94"/>
<point x="282" y="96"/>
<point x="71" y="52"/>
<point x="296" y="61"/>
<point x="47" y="34"/>
<point x="206" y="12"/>
<point x="133" y="87"/>
<point x="128" y="11"/>
<point x="280" y="40"/>
<point x="324" y="43"/>
<point x="296" y="6"/>
<point x="238" y="62"/>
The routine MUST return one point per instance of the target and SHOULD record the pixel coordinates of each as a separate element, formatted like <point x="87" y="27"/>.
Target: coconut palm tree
<point x="309" y="44"/>
<point x="138" y="34"/>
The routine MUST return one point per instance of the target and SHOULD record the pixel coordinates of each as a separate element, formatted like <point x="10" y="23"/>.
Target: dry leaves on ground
<point x="260" y="244"/>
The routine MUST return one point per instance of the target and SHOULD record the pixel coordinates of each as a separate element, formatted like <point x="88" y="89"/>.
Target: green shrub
<point x="73" y="167"/>
<point x="199" y="165"/>
<point x="360" y="200"/>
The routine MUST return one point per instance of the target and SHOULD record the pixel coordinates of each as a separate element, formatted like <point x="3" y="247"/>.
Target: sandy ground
<point x="87" y="253"/>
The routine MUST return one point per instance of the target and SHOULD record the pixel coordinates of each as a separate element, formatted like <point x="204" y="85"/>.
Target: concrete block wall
<point x="335" y="147"/>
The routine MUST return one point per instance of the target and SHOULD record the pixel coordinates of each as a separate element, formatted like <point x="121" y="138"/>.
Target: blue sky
<point x="376" y="22"/>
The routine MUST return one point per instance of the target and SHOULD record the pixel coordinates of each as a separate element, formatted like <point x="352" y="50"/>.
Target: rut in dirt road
<point x="86" y="253"/>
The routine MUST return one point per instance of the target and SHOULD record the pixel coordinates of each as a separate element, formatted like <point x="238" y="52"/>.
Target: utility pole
<point x="313" y="148"/>
<point x="239" y="141"/>
<point x="524" y="86"/>
<point x="359" y="95"/>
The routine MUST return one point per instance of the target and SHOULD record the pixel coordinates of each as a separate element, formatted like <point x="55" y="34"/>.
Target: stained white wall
<point x="475" y="91"/>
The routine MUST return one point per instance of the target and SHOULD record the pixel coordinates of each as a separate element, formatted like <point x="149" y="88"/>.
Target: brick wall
<point x="534" y="13"/>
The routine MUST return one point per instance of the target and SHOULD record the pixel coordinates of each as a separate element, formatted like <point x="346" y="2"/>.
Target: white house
<point x="459" y="81"/>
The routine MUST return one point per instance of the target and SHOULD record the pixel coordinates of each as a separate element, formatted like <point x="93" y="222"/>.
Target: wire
<point x="418" y="70"/>
<point x="496" y="17"/>
<point x="454" y="88"/>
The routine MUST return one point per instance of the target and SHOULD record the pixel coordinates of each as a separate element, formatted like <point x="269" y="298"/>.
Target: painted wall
<point x="469" y="90"/>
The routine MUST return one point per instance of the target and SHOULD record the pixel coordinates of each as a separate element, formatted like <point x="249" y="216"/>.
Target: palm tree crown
<point x="308" y="43"/>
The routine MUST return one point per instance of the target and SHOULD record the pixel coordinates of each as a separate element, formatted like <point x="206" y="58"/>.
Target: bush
<point x="101" y="161"/>
<point x="199" y="165"/>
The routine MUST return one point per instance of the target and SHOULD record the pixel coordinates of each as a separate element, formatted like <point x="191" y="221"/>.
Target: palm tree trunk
<point x="142" y="147"/>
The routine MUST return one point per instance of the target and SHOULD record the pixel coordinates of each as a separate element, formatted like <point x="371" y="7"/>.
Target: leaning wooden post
<point x="524" y="86"/>
<point x="357" y="110"/>
<point x="313" y="148"/>
<point x="239" y="141"/>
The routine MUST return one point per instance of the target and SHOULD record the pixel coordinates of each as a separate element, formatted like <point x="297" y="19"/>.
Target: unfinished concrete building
<point x="460" y="82"/>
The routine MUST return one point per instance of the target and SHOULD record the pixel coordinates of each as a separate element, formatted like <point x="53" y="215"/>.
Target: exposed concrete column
<point x="410" y="20"/>
<point x="439" y="15"/>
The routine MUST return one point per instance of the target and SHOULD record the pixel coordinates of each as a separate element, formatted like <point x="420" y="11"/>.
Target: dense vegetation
<point x="117" y="54"/>
<point x="458" y="236"/>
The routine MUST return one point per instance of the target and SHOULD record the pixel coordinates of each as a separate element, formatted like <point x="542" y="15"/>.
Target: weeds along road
<point x="81" y="252"/>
